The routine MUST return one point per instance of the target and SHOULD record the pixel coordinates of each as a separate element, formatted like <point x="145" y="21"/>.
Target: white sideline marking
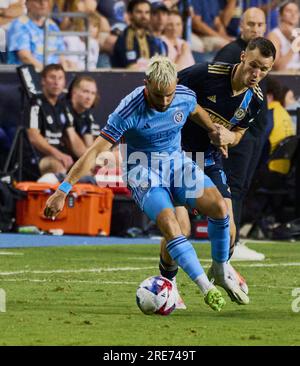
<point x="98" y="282"/>
<point x="98" y="270"/>
<point x="296" y="264"/>
<point x="157" y="259"/>
<point x="82" y="270"/>
<point x="10" y="253"/>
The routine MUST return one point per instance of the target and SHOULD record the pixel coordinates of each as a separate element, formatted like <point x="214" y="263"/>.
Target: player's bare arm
<point x="83" y="166"/>
<point x="201" y="117"/>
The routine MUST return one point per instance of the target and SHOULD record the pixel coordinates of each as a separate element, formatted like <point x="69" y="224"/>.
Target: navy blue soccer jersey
<point x="212" y="84"/>
<point x="146" y="130"/>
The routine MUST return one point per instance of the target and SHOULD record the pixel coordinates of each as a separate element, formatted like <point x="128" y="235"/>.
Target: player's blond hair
<point x="162" y="71"/>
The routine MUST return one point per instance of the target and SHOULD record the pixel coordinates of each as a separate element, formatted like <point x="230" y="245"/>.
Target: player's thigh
<point x="212" y="204"/>
<point x="152" y="200"/>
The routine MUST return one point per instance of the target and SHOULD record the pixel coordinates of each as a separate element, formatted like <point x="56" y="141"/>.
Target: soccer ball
<point x="155" y="295"/>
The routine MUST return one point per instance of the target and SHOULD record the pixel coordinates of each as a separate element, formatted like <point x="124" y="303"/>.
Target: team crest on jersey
<point x="178" y="117"/>
<point x="240" y="113"/>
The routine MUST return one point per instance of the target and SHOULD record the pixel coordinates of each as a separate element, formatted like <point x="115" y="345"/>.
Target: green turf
<point x="98" y="308"/>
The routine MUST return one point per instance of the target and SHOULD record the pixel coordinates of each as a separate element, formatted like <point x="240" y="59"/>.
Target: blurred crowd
<point x="126" y="33"/>
<point x="55" y="36"/>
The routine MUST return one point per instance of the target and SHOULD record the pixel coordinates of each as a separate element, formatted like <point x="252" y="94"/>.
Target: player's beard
<point x="161" y="108"/>
<point x="152" y="103"/>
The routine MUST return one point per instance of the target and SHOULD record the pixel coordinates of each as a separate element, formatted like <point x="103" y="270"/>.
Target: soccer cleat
<point x="214" y="299"/>
<point x="229" y="283"/>
<point x="239" y="278"/>
<point x="179" y="303"/>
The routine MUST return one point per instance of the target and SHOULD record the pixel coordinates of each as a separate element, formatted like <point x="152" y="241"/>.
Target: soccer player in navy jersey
<point x="232" y="97"/>
<point x="151" y="119"/>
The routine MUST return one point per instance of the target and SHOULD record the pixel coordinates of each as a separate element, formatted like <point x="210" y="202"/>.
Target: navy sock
<point x="167" y="270"/>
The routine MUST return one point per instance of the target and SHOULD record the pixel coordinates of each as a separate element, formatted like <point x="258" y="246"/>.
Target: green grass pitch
<point x="86" y="296"/>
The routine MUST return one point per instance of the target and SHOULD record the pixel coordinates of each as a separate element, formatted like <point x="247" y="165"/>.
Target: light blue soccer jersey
<point x="24" y="34"/>
<point x="158" y="136"/>
<point x="146" y="130"/>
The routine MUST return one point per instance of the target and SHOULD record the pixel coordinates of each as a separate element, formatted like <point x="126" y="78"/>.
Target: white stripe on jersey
<point x="34" y="117"/>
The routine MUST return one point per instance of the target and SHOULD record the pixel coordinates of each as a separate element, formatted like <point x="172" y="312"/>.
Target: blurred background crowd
<point x="124" y="34"/>
<point x="59" y="36"/>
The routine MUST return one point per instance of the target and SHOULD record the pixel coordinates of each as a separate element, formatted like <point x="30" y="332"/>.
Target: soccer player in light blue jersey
<point x="159" y="174"/>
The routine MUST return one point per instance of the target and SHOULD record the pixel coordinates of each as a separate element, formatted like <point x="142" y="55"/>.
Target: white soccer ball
<point x="155" y="295"/>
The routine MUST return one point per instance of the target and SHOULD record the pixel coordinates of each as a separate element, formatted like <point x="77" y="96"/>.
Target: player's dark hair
<point x="265" y="46"/>
<point x="274" y="88"/>
<point x="284" y="90"/>
<point x="51" y="67"/>
<point x="133" y="3"/>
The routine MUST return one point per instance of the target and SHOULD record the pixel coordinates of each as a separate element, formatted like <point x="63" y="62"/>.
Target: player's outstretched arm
<point x="201" y="117"/>
<point x="83" y="166"/>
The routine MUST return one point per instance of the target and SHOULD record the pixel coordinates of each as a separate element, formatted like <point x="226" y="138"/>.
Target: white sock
<point x="220" y="268"/>
<point x="203" y="283"/>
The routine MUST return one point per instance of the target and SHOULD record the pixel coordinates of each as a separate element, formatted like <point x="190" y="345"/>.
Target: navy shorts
<point x="217" y="175"/>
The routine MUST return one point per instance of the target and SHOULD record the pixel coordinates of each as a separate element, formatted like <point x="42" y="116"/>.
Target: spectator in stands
<point x="83" y="95"/>
<point x="26" y="37"/>
<point x="115" y="13"/>
<point x="105" y="39"/>
<point x="207" y="27"/>
<point x="186" y="11"/>
<point x="10" y="10"/>
<point x="78" y="44"/>
<point x="253" y="24"/>
<point x="49" y="127"/>
<point x="135" y="46"/>
<point x="159" y="18"/>
<point x="230" y="15"/>
<point x="269" y="7"/>
<point x="290" y="103"/>
<point x="287" y="57"/>
<point x="279" y="127"/>
<point x="178" y="49"/>
<point x="170" y="4"/>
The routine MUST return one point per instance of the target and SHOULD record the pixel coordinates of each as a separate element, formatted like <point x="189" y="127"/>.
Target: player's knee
<point x="186" y="229"/>
<point x="219" y="208"/>
<point x="168" y="224"/>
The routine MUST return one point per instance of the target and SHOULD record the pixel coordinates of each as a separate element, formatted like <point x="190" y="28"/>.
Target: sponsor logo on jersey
<point x="212" y="98"/>
<point x="220" y="121"/>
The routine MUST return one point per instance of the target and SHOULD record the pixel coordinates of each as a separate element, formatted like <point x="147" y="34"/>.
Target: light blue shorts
<point x="176" y="185"/>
